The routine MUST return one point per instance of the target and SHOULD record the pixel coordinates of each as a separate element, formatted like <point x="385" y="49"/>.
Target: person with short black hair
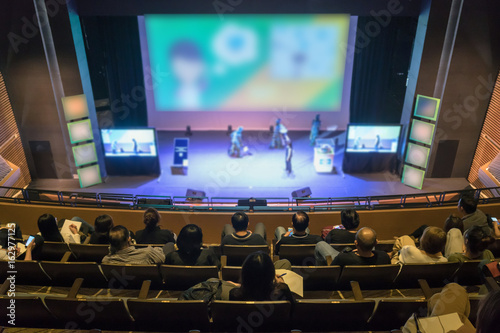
<point x="152" y="234"/>
<point x="347" y="232"/>
<point x="237" y="232"/>
<point x="102" y="224"/>
<point x="122" y="251"/>
<point x="190" y="251"/>
<point x="470" y="214"/>
<point x="299" y="234"/>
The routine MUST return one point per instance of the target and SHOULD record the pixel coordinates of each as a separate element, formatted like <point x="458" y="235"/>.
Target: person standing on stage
<point x="236" y="142"/>
<point x="316" y="123"/>
<point x="276" y="142"/>
<point x="288" y="157"/>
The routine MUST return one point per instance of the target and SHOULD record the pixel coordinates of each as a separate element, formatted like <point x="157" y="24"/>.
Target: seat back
<point x="318" y="277"/>
<point x="236" y="254"/>
<point x="131" y="276"/>
<point x="474" y="306"/>
<point x="436" y="274"/>
<point x="184" y="277"/>
<point x="495" y="248"/>
<point x="53" y="251"/>
<point x="298" y="254"/>
<point x="89" y="252"/>
<point x="172" y="315"/>
<point x="65" y="273"/>
<point x="385" y="245"/>
<point x="330" y="315"/>
<point x="231" y="273"/>
<point x="369" y="277"/>
<point x="29" y="272"/>
<point x="29" y="312"/>
<point x="392" y="314"/>
<point x="469" y="273"/>
<point x="341" y="246"/>
<point x="89" y="313"/>
<point x="232" y="316"/>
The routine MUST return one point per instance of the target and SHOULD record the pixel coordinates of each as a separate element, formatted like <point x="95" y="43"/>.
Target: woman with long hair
<point x="152" y="234"/>
<point x="476" y="241"/>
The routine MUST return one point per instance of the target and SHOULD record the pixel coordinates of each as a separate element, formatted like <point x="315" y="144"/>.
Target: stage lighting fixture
<point x="426" y="107"/>
<point x="75" y="107"/>
<point x="302" y="193"/>
<point x="417" y="155"/>
<point x="413" y="177"/>
<point x="89" y="176"/>
<point x="422" y="132"/>
<point x="252" y="202"/>
<point x="84" y="154"/>
<point x="188" y="131"/>
<point x="80" y="131"/>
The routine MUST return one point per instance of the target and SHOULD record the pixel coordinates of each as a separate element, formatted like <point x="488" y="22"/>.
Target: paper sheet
<point x="294" y="281"/>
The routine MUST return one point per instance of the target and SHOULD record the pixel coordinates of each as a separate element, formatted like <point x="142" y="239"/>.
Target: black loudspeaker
<point x="195" y="193"/>
<point x="251" y="202"/>
<point x="302" y="193"/>
<point x="445" y="158"/>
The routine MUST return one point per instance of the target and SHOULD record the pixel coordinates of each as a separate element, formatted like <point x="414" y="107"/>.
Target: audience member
<point x="432" y="244"/>
<point x="238" y="233"/>
<point x="47" y="224"/>
<point x="470" y="214"/>
<point x="121" y="250"/>
<point x="454" y="228"/>
<point x="152" y="234"/>
<point x="259" y="281"/>
<point x="488" y="314"/>
<point x="189" y="249"/>
<point x="103" y="224"/>
<point x="299" y="234"/>
<point x="476" y="244"/>
<point x="346" y="232"/>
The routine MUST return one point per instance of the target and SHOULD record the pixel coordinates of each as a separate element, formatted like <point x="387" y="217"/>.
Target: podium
<point x="324" y="154"/>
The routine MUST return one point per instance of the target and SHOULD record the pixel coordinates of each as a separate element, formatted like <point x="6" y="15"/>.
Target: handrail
<point x="274" y="204"/>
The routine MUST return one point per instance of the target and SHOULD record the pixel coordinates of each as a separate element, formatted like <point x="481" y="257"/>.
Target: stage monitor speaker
<point x="251" y="202"/>
<point x="302" y="193"/>
<point x="147" y="201"/>
<point x="195" y="193"/>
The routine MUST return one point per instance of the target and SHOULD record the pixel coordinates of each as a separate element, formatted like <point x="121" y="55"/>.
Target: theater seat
<point x="89" y="252"/>
<point x="369" y="277"/>
<point x="64" y="273"/>
<point x="29" y="272"/>
<point x="231" y="273"/>
<point x="131" y="276"/>
<point x="53" y="251"/>
<point x="298" y="254"/>
<point x="184" y="277"/>
<point x="318" y="277"/>
<point x="330" y="316"/>
<point x="392" y="314"/>
<point x="29" y="312"/>
<point x="232" y="316"/>
<point x="436" y="274"/>
<point x="469" y="274"/>
<point x="168" y="315"/>
<point x="236" y="254"/>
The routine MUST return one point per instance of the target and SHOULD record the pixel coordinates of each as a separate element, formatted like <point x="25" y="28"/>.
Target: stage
<point x="261" y="173"/>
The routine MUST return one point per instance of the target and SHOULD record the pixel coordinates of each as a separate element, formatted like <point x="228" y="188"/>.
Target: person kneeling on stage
<point x="238" y="233"/>
<point x="236" y="142"/>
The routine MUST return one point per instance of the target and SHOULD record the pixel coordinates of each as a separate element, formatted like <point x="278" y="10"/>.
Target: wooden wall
<point x="387" y="223"/>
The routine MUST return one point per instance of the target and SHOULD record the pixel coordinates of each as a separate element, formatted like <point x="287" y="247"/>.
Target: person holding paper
<point x="69" y="233"/>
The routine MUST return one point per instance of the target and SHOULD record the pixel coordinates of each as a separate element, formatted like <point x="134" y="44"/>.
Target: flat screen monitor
<point x="364" y="138"/>
<point x="129" y="142"/>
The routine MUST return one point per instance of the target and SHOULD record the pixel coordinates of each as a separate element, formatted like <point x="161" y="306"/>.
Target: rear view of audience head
<point x="366" y="239"/>
<point x="47" y="224"/>
<point x="103" y="224"/>
<point x="477" y="240"/>
<point x="350" y="219"/>
<point x="467" y="204"/>
<point x="151" y="218"/>
<point x="433" y="240"/>
<point x="239" y="221"/>
<point x="257" y="277"/>
<point x="488" y="314"/>
<point x="190" y="240"/>
<point x="119" y="238"/>
<point x="453" y="221"/>
<point x="300" y="221"/>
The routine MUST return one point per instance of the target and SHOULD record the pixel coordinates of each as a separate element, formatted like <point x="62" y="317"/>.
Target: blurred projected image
<point x="248" y="62"/>
<point x="372" y="138"/>
<point x="129" y="142"/>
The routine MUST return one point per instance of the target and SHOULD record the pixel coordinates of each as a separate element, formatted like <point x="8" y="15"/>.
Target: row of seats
<point x="169" y="277"/>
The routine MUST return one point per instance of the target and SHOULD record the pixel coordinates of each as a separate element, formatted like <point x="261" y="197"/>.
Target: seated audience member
<point x="452" y="299"/>
<point x="189" y="249"/>
<point x="347" y="231"/>
<point x="47" y="224"/>
<point x="299" y="235"/>
<point x="32" y="252"/>
<point x="259" y="281"/>
<point x="454" y="228"/>
<point x="121" y="250"/>
<point x="470" y="214"/>
<point x="488" y="314"/>
<point x="476" y="244"/>
<point x="103" y="224"/>
<point x="238" y="233"/>
<point x="432" y="244"/>
<point x="152" y="234"/>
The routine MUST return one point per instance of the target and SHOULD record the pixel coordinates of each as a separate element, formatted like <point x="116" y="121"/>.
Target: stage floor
<point x="261" y="174"/>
